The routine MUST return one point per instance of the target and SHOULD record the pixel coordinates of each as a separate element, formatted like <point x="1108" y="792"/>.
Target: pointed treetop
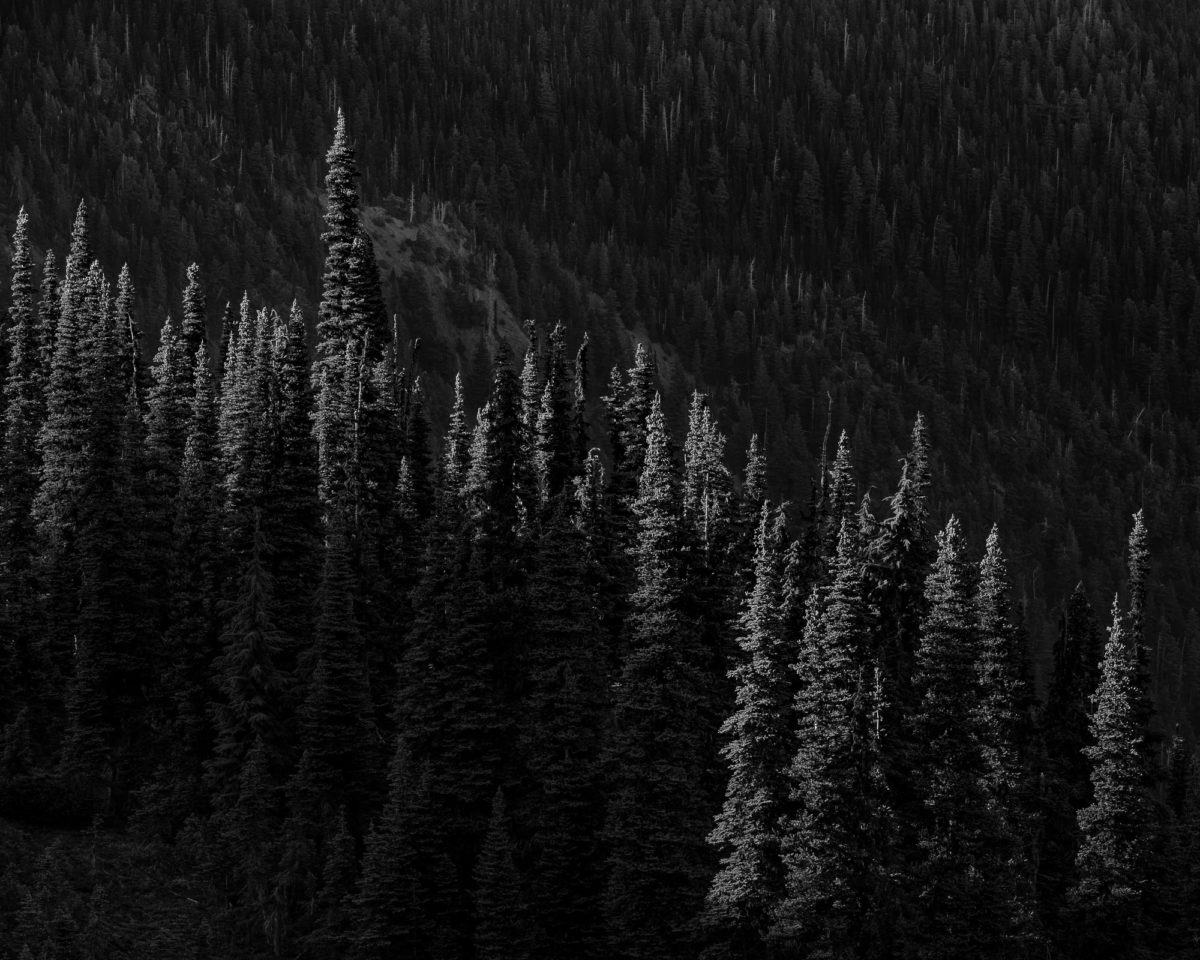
<point x="755" y="486"/>
<point x="918" y="456"/>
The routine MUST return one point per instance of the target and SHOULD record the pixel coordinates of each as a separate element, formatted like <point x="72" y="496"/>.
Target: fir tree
<point x="194" y="328"/>
<point x="563" y="708"/>
<point x="341" y="218"/>
<point x="186" y="666"/>
<point x="836" y="900"/>
<point x="1113" y="855"/>
<point x="167" y="419"/>
<point x="336" y="718"/>
<point x="457" y="458"/>
<point x="449" y="714"/>
<point x="61" y="444"/>
<point x="502" y="927"/>
<point x="49" y="311"/>
<point x="249" y="713"/>
<point x="967" y="888"/>
<point x="554" y="451"/>
<point x="23" y="403"/>
<point x="1005" y="702"/>
<point x="129" y="333"/>
<point x="417" y="451"/>
<point x="839" y="501"/>
<point x="655" y="822"/>
<point x="291" y="516"/>
<point x="407" y="893"/>
<point x="1138" y="565"/>
<point x="107" y="689"/>
<point x="899" y="557"/>
<point x="758" y="749"/>
<point x="628" y="405"/>
<point x="1067" y="789"/>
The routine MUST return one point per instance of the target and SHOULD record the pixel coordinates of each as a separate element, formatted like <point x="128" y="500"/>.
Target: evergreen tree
<point x="968" y="893"/>
<point x="407" y="892"/>
<point x="502" y="928"/>
<point x="167" y="421"/>
<point x="839" y="501"/>
<point x="449" y="716"/>
<point x="242" y="425"/>
<point x="655" y="822"/>
<point x="188" y="679"/>
<point x="194" y="328"/>
<point x="23" y="405"/>
<point x="61" y="444"/>
<point x="334" y="905"/>
<point x="563" y="709"/>
<point x="898" y="562"/>
<point x="417" y="452"/>
<point x="49" y="310"/>
<point x="129" y="333"/>
<point x="758" y="748"/>
<point x="1005" y="702"/>
<point x="291" y="515"/>
<point x="248" y="715"/>
<point x="336" y="717"/>
<point x="106" y="694"/>
<point x="580" y="434"/>
<point x="342" y="220"/>
<point x="1067" y="788"/>
<point x="1138" y="564"/>
<point x="1113" y="859"/>
<point x="628" y="405"/>
<point x="553" y="447"/>
<point x="899" y="557"/>
<point x="837" y="901"/>
<point x="457" y="458"/>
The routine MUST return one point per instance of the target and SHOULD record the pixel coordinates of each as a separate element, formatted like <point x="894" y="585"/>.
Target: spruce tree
<point x="449" y="715"/>
<point x="49" y="310"/>
<point x="128" y="331"/>
<point x="106" y="694"/>
<point x="502" y="926"/>
<point x="656" y="818"/>
<point x="457" y="457"/>
<point x="1065" y="733"/>
<point x="1006" y="700"/>
<point x="187" y="678"/>
<point x="407" y="894"/>
<point x="168" y="411"/>
<point x="336" y="719"/>
<point x="968" y="891"/>
<point x="61" y="444"/>
<point x="839" y="501"/>
<point x="291" y="516"/>
<point x="554" y="451"/>
<point x="757" y="749"/>
<point x="341" y="218"/>
<point x="899" y="558"/>
<point x="628" y="405"/>
<point x="1138" y="565"/>
<point x="1113" y="860"/>
<point x="23" y="403"/>
<point x="249" y="712"/>
<point x="898" y="562"/>
<point x="837" y="901"/>
<point x="194" y="328"/>
<point x="562" y="711"/>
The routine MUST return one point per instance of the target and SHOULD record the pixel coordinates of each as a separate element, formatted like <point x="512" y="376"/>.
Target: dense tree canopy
<point x="558" y="679"/>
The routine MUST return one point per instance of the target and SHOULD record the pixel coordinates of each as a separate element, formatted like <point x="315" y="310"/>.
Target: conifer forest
<point x="544" y="480"/>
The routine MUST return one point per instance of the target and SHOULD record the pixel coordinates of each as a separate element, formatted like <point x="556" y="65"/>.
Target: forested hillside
<point x="344" y="584"/>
